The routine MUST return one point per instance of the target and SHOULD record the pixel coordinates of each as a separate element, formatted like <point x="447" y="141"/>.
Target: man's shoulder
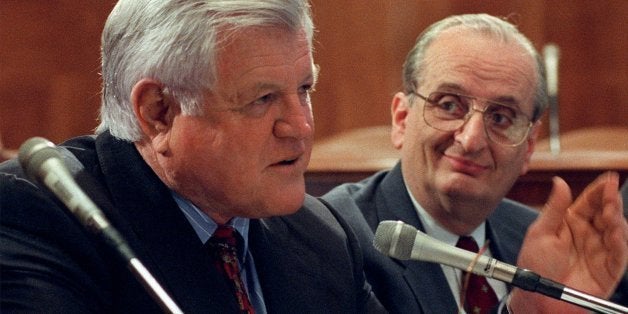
<point x="363" y="191"/>
<point x="315" y="224"/>
<point x="377" y="197"/>
<point x="313" y="215"/>
<point x="82" y="147"/>
<point x="316" y="248"/>
<point x="315" y="220"/>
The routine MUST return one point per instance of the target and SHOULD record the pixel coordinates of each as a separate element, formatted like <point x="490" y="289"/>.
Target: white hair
<point x="176" y="42"/>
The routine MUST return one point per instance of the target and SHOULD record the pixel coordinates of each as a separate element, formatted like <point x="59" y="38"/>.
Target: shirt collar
<point x="205" y="226"/>
<point x="437" y="231"/>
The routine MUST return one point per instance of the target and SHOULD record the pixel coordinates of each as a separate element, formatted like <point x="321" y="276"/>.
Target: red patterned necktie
<point x="479" y="297"/>
<point x="222" y="247"/>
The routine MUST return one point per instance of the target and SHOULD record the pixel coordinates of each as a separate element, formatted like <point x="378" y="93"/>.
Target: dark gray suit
<point x="307" y="262"/>
<point x="414" y="286"/>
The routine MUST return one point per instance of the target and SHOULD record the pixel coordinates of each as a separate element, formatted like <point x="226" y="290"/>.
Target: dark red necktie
<point x="479" y="297"/>
<point x="223" y="248"/>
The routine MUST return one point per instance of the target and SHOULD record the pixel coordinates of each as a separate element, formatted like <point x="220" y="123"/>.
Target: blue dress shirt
<point x="205" y="227"/>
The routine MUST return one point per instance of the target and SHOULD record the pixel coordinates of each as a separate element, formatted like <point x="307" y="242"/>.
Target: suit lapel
<point x="158" y="231"/>
<point x="303" y="263"/>
<point x="429" y="285"/>
<point x="289" y="275"/>
<point x="424" y="279"/>
<point x="507" y="227"/>
<point x="499" y="244"/>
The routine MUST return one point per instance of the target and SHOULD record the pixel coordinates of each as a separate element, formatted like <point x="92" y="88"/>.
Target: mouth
<point x="466" y="166"/>
<point x="287" y="162"/>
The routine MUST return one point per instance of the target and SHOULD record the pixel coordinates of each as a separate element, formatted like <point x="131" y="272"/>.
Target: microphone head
<point x="395" y="239"/>
<point x="34" y="152"/>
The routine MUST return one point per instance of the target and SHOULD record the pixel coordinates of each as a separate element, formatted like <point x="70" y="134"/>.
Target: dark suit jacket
<point x="414" y="286"/>
<point x="307" y="262"/>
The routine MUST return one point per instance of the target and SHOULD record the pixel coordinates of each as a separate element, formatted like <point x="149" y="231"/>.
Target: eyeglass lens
<point x="448" y="112"/>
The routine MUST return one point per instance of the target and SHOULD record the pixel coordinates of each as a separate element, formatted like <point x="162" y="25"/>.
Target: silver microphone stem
<point x="592" y="303"/>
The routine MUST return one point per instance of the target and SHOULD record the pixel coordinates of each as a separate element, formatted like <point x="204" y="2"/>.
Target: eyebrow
<point x="260" y="87"/>
<point x="272" y="86"/>
<point x="457" y="88"/>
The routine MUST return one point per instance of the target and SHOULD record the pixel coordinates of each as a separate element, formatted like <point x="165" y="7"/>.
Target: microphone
<point x="402" y="241"/>
<point x="42" y="162"/>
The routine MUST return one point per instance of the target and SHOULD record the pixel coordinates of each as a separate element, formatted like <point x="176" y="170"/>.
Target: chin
<point x="294" y="201"/>
<point x="277" y="211"/>
<point x="285" y="202"/>
<point x="460" y="185"/>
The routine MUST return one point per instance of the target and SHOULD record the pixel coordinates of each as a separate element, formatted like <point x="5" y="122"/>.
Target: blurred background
<point x="50" y="84"/>
<point x="49" y="59"/>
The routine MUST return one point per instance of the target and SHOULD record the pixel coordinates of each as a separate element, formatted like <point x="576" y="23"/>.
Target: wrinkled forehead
<point x="263" y="47"/>
<point x="480" y="65"/>
<point x="263" y="59"/>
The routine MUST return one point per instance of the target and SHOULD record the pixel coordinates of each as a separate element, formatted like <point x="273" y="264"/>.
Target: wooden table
<point x="585" y="154"/>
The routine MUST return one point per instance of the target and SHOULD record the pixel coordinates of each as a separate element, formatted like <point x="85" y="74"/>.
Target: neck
<point x="457" y="216"/>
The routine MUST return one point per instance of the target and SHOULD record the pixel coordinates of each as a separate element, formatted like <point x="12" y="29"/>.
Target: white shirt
<point x="453" y="275"/>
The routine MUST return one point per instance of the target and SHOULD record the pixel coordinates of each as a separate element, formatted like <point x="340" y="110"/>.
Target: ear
<point x="530" y="143"/>
<point x="399" y="110"/>
<point x="155" y="112"/>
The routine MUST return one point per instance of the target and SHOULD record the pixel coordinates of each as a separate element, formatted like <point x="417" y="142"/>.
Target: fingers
<point x="611" y="205"/>
<point x="612" y="220"/>
<point x="602" y="192"/>
<point x="596" y="221"/>
<point x="616" y="243"/>
<point x="557" y="203"/>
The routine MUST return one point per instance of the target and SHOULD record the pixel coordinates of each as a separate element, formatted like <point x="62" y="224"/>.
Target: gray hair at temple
<point x="485" y="24"/>
<point x="176" y="43"/>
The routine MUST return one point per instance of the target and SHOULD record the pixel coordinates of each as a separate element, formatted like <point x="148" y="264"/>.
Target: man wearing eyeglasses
<point x="466" y="125"/>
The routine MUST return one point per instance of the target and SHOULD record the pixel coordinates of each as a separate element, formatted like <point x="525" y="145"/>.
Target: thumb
<point x="559" y="200"/>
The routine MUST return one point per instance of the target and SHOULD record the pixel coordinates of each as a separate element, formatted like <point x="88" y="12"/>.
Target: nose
<point x="295" y="120"/>
<point x="472" y="134"/>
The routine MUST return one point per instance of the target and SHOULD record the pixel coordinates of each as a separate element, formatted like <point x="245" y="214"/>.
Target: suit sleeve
<point x="44" y="255"/>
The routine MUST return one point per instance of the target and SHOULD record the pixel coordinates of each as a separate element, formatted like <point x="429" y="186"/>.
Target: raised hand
<point x="582" y="244"/>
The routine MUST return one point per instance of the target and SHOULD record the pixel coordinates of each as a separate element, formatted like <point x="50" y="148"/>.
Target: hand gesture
<point x="582" y="244"/>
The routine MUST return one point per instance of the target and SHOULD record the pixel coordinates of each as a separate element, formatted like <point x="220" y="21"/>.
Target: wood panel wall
<point x="49" y="65"/>
<point x="49" y="59"/>
<point x="361" y="49"/>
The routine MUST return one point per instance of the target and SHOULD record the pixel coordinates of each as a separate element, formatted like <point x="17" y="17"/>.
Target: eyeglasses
<point x="504" y="125"/>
